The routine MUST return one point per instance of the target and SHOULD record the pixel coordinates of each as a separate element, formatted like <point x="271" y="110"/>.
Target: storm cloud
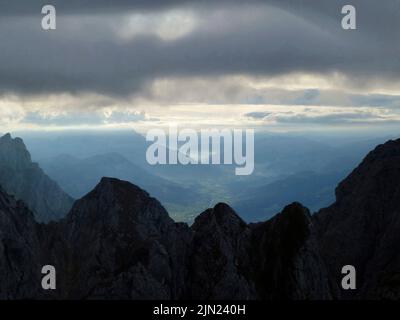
<point x="272" y="63"/>
<point x="101" y="46"/>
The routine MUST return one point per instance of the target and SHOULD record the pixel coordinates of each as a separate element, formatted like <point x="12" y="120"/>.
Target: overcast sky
<point x="273" y="64"/>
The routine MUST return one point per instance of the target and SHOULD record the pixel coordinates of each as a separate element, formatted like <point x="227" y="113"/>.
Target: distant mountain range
<point x="307" y="171"/>
<point x="118" y="242"/>
<point x="310" y="188"/>
<point x="79" y="176"/>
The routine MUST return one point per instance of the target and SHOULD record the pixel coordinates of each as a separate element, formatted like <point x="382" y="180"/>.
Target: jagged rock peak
<point x="6" y="137"/>
<point x="296" y="210"/>
<point x="107" y="185"/>
<point x="221" y="215"/>
<point x="13" y="152"/>
<point x="22" y="178"/>
<point x="389" y="149"/>
<point x="293" y="224"/>
<point x="112" y="190"/>
<point x="115" y="200"/>
<point x="287" y="263"/>
<point x="376" y="176"/>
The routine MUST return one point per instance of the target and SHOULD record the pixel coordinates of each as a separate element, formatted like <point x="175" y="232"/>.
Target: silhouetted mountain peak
<point x="119" y="227"/>
<point x="387" y="150"/>
<point x="296" y="213"/>
<point x="222" y="216"/>
<point x="287" y="246"/>
<point x="115" y="186"/>
<point x="13" y="153"/>
<point x="120" y="204"/>
<point x="6" y="137"/>
<point x="375" y="179"/>
<point x="289" y="229"/>
<point x="123" y="193"/>
<point x="295" y="208"/>
<point x="362" y="227"/>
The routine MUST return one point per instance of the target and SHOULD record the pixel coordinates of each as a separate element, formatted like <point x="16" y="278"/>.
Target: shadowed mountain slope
<point x="362" y="228"/>
<point x="25" y="180"/>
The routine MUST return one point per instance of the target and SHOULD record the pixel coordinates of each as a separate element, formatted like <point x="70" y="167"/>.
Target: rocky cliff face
<point x="19" y="250"/>
<point x="288" y="262"/>
<point x="134" y="251"/>
<point x="277" y="259"/>
<point x="219" y="258"/>
<point x="119" y="243"/>
<point x="26" y="181"/>
<point x="362" y="228"/>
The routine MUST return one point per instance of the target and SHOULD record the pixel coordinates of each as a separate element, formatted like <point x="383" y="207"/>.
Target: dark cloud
<point x="260" y="38"/>
<point x="32" y="7"/>
<point x="332" y="119"/>
<point x="257" y="115"/>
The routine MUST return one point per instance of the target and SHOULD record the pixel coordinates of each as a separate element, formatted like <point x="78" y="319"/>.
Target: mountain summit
<point x="25" y="180"/>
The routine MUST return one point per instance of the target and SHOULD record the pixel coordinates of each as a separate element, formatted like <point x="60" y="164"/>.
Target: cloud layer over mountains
<point x="138" y="52"/>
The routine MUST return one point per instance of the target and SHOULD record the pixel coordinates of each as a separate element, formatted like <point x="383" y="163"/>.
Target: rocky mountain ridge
<point x="117" y="242"/>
